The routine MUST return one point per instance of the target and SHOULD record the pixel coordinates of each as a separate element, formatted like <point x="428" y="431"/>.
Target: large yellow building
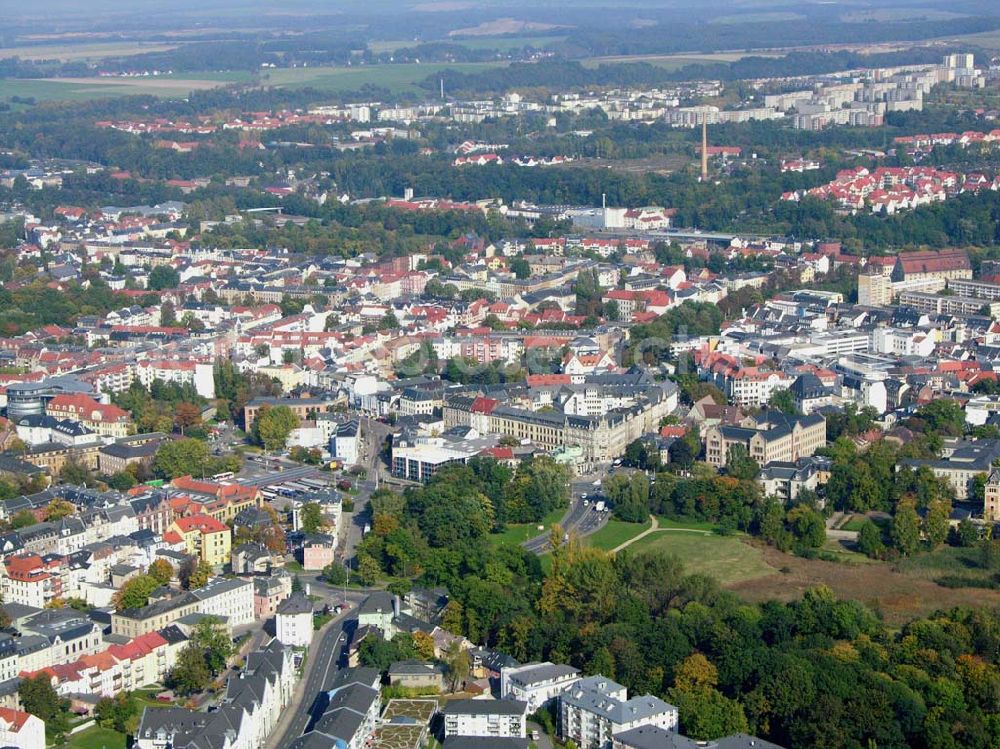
<point x="205" y="537"/>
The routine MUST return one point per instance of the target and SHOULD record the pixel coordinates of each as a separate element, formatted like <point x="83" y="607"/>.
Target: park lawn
<point x="693" y="525"/>
<point x="518" y="533"/>
<point x="397" y="78"/>
<point x="854" y="524"/>
<point x="725" y="558"/>
<point x="614" y="534"/>
<point x="96" y="738"/>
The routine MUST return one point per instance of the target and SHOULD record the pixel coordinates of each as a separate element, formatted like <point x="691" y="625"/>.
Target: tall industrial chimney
<point x="704" y="147"/>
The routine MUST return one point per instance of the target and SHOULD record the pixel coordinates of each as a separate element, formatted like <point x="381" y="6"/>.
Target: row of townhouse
<point x="248" y="712"/>
<point x="142" y="661"/>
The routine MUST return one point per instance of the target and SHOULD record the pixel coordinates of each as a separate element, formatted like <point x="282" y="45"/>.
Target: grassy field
<point x="96" y="738"/>
<point x="519" y="533"/>
<point x="397" y="78"/>
<point x="726" y="558"/>
<point x="83" y="52"/>
<point x="615" y="533"/>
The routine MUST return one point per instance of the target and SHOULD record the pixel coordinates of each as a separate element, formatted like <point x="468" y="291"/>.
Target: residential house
<point x="495" y="718"/>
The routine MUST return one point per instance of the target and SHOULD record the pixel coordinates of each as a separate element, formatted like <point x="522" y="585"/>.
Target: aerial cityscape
<point x="467" y="375"/>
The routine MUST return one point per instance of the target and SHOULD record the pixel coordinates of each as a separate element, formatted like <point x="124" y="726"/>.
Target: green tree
<point x="368" y="570"/>
<point x="272" y="427"/>
<point x="706" y="714"/>
<point x="201" y="575"/>
<point x="163" y="277"/>
<point x="311" y="518"/>
<point x="335" y="573"/>
<point x="135" y="592"/>
<point x="783" y="400"/>
<point x="456" y="661"/>
<point x="39" y="697"/>
<point x="807" y="526"/>
<point x="210" y="635"/>
<point x="936" y="522"/>
<point x="629" y="496"/>
<point x="740" y="465"/>
<point x="870" y="540"/>
<point x="183" y="457"/>
<point x="520" y="267"/>
<point x="905" y="532"/>
<point x="191" y="673"/>
<point x="944" y="416"/>
<point x="119" y="713"/>
<point x="966" y="534"/>
<point x="168" y="314"/>
<point x="22" y="519"/>
<point x="161" y="570"/>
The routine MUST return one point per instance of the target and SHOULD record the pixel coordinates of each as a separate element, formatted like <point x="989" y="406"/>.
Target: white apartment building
<point x="594" y="709"/>
<point x="490" y="718"/>
<point x="537" y="684"/>
<point x="902" y="342"/>
<point x="754" y="388"/>
<point x="229" y="598"/>
<point x="195" y="373"/>
<point x="294" y="621"/>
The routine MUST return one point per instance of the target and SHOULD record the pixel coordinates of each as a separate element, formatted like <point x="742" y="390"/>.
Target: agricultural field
<point x="84" y="52"/>
<point x="81" y="89"/>
<point x="399" y="79"/>
<point x="503" y="43"/>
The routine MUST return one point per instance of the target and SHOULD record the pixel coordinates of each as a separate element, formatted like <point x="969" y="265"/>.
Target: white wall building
<point x="536" y="683"/>
<point x="229" y="598"/>
<point x="492" y="718"/>
<point x="294" y="621"/>
<point x="594" y="709"/>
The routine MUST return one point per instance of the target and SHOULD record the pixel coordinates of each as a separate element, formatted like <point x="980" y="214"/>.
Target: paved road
<point x="322" y="664"/>
<point x="581" y="519"/>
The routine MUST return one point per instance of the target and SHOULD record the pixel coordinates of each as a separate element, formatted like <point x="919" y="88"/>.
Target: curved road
<point x="580" y="519"/>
